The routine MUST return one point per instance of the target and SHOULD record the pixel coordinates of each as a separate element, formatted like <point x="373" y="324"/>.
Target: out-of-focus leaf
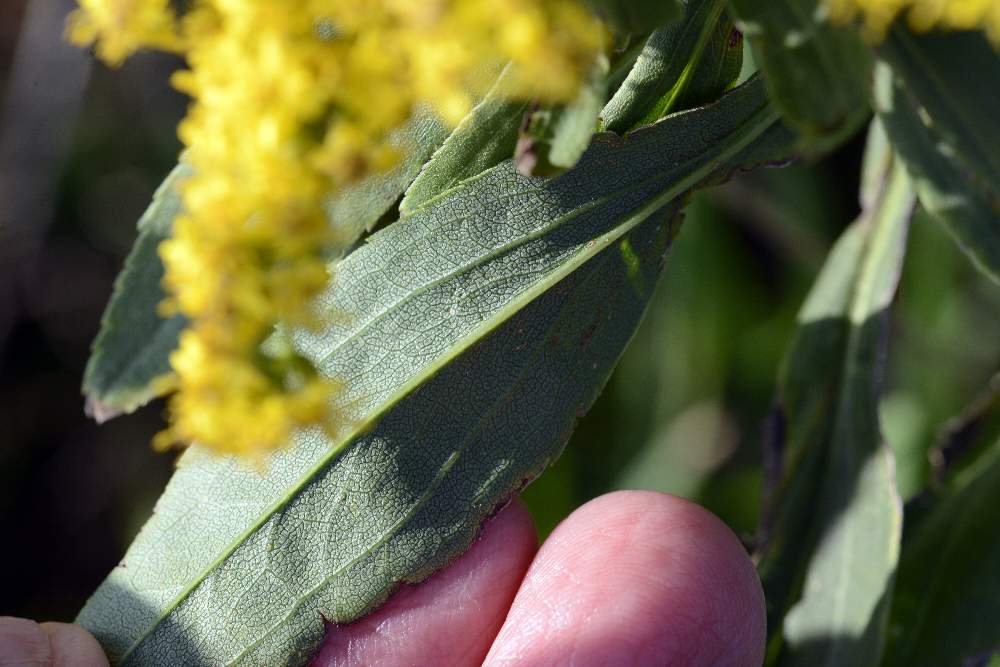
<point x="637" y="16"/>
<point x="471" y="335"/>
<point x="359" y="207"/>
<point x="817" y="73"/>
<point x="940" y="102"/>
<point x="483" y="139"/>
<point x="967" y="438"/>
<point x="665" y="68"/>
<point x="132" y="348"/>
<point x="835" y="526"/>
<point x="947" y="599"/>
<point x="556" y="137"/>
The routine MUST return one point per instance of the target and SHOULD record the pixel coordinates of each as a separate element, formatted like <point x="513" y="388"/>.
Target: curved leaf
<point x="817" y="73"/>
<point x="484" y="138"/>
<point x="471" y="335"/>
<point x="939" y="99"/>
<point x="664" y="69"/>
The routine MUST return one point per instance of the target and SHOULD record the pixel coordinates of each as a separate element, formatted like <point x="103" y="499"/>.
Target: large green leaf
<point x="817" y="73"/>
<point x="947" y="599"/>
<point x="835" y="525"/>
<point x="940" y="102"/>
<point x="471" y="335"/>
<point x="133" y="347"/>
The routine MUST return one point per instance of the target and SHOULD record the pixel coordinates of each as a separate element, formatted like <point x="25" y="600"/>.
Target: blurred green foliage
<point x="686" y="410"/>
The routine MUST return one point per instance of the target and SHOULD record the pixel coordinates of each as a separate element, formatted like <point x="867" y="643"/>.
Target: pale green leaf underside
<point x="840" y="481"/>
<point x="478" y="329"/>
<point x="122" y="367"/>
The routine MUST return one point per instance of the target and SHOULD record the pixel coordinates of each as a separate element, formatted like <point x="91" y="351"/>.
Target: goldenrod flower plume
<point x="293" y="99"/>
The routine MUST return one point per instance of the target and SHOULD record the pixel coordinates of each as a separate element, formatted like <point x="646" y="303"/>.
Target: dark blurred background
<point x="82" y="149"/>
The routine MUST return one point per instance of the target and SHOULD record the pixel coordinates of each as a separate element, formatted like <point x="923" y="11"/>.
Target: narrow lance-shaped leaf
<point x="817" y="73"/>
<point x="718" y="69"/>
<point x="132" y="350"/>
<point x="359" y="207"/>
<point x="836" y="523"/>
<point x="555" y="137"/>
<point x="476" y="332"/>
<point x="664" y="69"/>
<point x="484" y="138"/>
<point x="939" y="98"/>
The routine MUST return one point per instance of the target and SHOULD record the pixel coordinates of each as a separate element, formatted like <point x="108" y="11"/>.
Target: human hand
<point x="631" y="578"/>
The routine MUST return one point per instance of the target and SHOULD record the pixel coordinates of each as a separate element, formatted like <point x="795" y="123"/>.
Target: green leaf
<point x="940" y="102"/>
<point x="835" y="524"/>
<point x="132" y="348"/>
<point x="359" y="207"/>
<point x="718" y="69"/>
<point x="484" y="138"/>
<point x="556" y="137"/>
<point x="947" y="598"/>
<point x="664" y="69"/>
<point x="471" y="335"/>
<point x="817" y="73"/>
<point x="637" y="16"/>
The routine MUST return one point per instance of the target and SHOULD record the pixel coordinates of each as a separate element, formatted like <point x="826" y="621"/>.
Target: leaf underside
<point x="834" y="528"/>
<point x="471" y="335"/>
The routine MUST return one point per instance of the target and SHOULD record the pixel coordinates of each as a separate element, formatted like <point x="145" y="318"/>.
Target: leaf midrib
<point x="439" y="478"/>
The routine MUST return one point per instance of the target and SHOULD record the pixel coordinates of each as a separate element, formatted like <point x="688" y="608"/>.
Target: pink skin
<point x="631" y="578"/>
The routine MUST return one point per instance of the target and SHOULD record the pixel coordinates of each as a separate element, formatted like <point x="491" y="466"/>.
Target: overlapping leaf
<point x="131" y="351"/>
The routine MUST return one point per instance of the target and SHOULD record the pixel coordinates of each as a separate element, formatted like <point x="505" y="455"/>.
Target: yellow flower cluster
<point x="293" y="99"/>
<point x="922" y="15"/>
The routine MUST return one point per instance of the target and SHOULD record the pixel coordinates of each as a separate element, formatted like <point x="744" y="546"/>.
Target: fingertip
<point x="72" y="646"/>
<point x="24" y="642"/>
<point x="452" y="617"/>
<point x="637" y="578"/>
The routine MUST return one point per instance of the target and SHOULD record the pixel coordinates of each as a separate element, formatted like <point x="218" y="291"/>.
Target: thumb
<point x="24" y="643"/>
